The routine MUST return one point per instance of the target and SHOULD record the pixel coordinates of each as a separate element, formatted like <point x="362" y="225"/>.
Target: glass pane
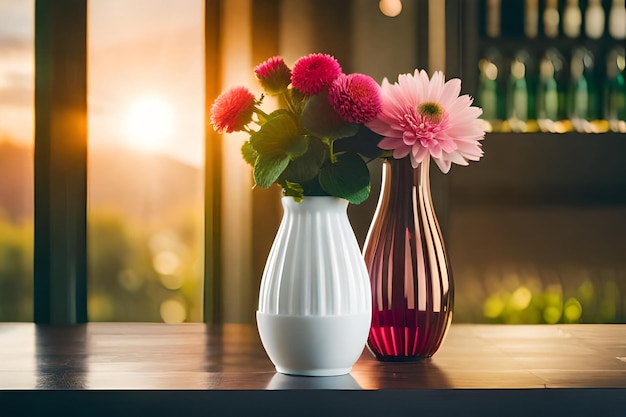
<point x="146" y="168"/>
<point x="17" y="50"/>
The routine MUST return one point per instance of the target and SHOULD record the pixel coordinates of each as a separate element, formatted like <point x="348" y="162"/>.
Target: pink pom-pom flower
<point x="273" y="75"/>
<point x="315" y="72"/>
<point x="355" y="97"/>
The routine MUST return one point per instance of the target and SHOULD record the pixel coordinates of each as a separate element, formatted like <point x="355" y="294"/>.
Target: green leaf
<point x="319" y="118"/>
<point x="365" y="142"/>
<point x="276" y="135"/>
<point x="293" y="189"/>
<point x="298" y="147"/>
<point x="267" y="170"/>
<point x="347" y="178"/>
<point x="248" y="153"/>
<point x="308" y="165"/>
<point x="313" y="188"/>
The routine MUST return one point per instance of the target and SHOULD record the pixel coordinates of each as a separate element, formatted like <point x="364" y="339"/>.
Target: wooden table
<point x="188" y="369"/>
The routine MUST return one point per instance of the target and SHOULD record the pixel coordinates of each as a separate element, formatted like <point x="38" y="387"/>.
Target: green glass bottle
<point x="518" y="93"/>
<point x="489" y="95"/>
<point x="550" y="100"/>
<point x="582" y="93"/>
<point x="615" y="102"/>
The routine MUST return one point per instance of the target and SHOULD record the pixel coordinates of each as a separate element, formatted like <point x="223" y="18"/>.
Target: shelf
<point x="544" y="169"/>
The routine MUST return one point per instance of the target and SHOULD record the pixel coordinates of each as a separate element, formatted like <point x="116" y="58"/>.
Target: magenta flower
<point x="232" y="110"/>
<point x="314" y="72"/>
<point x="355" y="97"/>
<point x="422" y="117"/>
<point x="274" y="75"/>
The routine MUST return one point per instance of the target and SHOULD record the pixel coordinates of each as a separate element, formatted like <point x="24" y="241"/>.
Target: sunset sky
<point x="145" y="63"/>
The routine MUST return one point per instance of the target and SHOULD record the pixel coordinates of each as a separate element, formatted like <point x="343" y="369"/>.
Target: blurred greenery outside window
<point x="16" y="159"/>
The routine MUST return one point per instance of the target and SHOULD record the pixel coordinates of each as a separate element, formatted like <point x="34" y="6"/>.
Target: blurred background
<point x="536" y="231"/>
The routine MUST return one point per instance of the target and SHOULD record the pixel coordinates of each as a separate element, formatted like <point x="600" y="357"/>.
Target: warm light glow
<point x="390" y="8"/>
<point x="573" y="310"/>
<point x="149" y="123"/>
<point x="520" y="299"/>
<point x="493" y="307"/>
<point x="173" y="311"/>
<point x="166" y="262"/>
<point x="552" y="314"/>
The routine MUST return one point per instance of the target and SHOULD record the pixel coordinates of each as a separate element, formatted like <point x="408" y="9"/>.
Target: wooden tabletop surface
<point x="199" y="357"/>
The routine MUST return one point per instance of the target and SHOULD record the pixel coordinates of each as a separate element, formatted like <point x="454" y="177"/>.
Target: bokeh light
<point x="493" y="307"/>
<point x="552" y="314"/>
<point x="390" y="8"/>
<point x="572" y="310"/>
<point x="130" y="280"/>
<point x="520" y="299"/>
<point x="173" y="311"/>
<point x="166" y="262"/>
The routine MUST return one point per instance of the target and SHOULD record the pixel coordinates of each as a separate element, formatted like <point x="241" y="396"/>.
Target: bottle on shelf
<point x="572" y="19"/>
<point x="489" y="95"/>
<point x="493" y="18"/>
<point x="518" y="93"/>
<point x="617" y="19"/>
<point x="551" y="88"/>
<point x="582" y="94"/>
<point x="551" y="19"/>
<point x="531" y="19"/>
<point x="594" y="20"/>
<point x="615" y="102"/>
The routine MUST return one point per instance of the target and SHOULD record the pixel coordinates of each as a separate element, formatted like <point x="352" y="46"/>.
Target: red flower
<point x="232" y="110"/>
<point x="355" y="97"/>
<point x="314" y="72"/>
<point x="273" y="75"/>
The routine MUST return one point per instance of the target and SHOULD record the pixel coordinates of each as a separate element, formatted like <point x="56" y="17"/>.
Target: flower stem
<point x="287" y="100"/>
<point x="261" y="114"/>
<point x="333" y="157"/>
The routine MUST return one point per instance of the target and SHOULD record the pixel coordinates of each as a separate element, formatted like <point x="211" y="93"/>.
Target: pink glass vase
<point x="412" y="286"/>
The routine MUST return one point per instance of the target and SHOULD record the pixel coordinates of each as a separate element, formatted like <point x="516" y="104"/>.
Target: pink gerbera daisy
<point x="355" y="97"/>
<point x="274" y="75"/>
<point x="314" y="72"/>
<point x="232" y="110"/>
<point x="424" y="117"/>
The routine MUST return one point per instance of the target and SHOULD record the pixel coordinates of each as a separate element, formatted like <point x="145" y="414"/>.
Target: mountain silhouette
<point x="138" y="185"/>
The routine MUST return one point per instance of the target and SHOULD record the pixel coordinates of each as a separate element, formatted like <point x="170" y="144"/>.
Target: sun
<point x="149" y="123"/>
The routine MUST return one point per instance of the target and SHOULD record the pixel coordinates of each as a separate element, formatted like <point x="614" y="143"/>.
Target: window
<point x="16" y="159"/>
<point x="145" y="163"/>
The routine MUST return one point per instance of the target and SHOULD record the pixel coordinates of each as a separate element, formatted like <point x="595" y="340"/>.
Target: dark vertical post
<point x="60" y="269"/>
<point x="454" y="32"/>
<point x="266" y="206"/>
<point x="213" y="166"/>
<point x="332" y="25"/>
<point x="455" y="14"/>
<point x="423" y="23"/>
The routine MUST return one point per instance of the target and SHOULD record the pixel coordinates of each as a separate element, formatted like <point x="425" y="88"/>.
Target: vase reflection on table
<point x="411" y="278"/>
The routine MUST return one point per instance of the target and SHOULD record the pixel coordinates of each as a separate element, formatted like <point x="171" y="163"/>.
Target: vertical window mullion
<point x="60" y="273"/>
<point x="213" y="167"/>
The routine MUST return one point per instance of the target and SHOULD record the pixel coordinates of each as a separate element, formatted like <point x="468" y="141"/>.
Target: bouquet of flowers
<point x="330" y="124"/>
<point x="315" y="143"/>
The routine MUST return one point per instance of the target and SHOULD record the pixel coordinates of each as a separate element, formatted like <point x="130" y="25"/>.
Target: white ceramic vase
<point x="315" y="300"/>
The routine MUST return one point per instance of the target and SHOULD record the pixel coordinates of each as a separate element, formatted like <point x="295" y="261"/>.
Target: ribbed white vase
<point x="315" y="298"/>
